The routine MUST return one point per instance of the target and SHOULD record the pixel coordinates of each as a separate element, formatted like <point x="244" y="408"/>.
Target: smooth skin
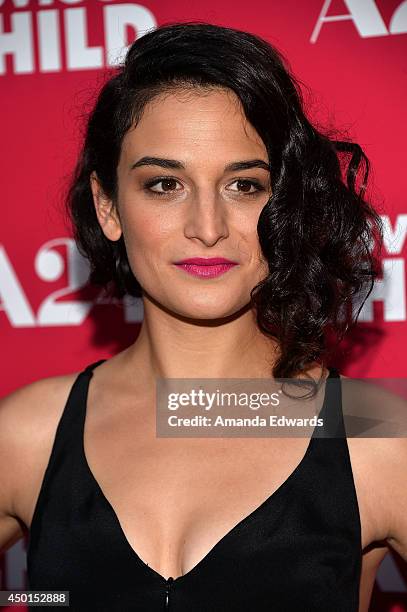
<point x="178" y="497"/>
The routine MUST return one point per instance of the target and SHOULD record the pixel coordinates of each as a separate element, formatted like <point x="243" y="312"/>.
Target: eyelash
<point x="148" y="184"/>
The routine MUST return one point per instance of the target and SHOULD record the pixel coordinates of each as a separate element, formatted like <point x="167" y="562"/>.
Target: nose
<point x="207" y="219"/>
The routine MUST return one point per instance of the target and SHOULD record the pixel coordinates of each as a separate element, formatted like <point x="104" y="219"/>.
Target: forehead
<point x="194" y="122"/>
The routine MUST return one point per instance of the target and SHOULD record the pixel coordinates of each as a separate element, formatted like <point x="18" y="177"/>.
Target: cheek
<point x="145" y="237"/>
<point x="248" y="245"/>
<point x="257" y="264"/>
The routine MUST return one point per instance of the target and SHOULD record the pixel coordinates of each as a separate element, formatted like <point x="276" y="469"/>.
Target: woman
<point x="198" y="147"/>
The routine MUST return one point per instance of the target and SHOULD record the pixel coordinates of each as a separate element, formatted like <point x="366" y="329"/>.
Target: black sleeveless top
<point x="299" y="550"/>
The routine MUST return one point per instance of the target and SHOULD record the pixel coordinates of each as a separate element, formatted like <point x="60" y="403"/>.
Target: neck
<point x="172" y="346"/>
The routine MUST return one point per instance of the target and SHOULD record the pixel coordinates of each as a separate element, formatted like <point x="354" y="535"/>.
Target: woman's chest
<point x="176" y="499"/>
<point x="186" y="508"/>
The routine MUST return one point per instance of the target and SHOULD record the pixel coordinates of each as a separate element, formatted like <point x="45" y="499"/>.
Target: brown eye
<point x="167" y="185"/>
<point x="245" y="185"/>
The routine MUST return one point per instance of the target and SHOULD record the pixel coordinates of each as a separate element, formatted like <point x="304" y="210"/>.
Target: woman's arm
<point x="11" y="428"/>
<point x="394" y="479"/>
<point x="380" y="463"/>
<point x="29" y="417"/>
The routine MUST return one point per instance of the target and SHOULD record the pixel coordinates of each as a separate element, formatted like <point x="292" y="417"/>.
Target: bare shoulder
<point x="29" y="418"/>
<point x="379" y="464"/>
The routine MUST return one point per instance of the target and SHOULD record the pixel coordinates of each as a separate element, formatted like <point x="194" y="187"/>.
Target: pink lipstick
<point x="206" y="267"/>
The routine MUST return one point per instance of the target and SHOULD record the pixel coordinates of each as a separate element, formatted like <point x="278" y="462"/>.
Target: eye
<point x="245" y="186"/>
<point x="167" y="185"/>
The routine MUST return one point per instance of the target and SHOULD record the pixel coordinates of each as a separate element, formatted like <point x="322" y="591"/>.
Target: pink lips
<point x="207" y="267"/>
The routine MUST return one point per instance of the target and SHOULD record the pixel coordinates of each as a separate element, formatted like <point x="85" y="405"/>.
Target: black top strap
<point x="92" y="366"/>
<point x="331" y="412"/>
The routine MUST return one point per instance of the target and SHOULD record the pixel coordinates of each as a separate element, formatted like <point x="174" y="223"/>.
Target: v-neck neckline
<point x="246" y="520"/>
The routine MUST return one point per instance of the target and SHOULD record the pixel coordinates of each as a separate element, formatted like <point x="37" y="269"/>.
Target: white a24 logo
<point x="366" y="18"/>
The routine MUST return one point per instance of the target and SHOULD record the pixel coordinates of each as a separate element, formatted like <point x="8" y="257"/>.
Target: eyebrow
<point x="177" y="165"/>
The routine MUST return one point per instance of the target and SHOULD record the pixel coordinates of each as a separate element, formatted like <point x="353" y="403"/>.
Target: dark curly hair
<point x="316" y="230"/>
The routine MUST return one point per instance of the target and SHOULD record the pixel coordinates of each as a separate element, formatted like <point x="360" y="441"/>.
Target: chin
<point x="209" y="312"/>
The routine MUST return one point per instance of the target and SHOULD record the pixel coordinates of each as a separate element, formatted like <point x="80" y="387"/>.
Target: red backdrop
<point x="351" y="54"/>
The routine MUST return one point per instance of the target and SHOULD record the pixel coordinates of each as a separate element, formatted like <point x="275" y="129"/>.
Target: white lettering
<point x="390" y="290"/>
<point x="79" y="55"/>
<point x="394" y="240"/>
<point x="12" y="297"/>
<point x="18" y="42"/>
<point x="364" y="14"/>
<point x="18" y="3"/>
<point x="398" y="23"/>
<point x="49" y="37"/>
<point x="117" y="17"/>
<point x="50" y="266"/>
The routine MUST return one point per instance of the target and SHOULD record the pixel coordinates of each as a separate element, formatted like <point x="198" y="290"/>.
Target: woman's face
<point x="191" y="204"/>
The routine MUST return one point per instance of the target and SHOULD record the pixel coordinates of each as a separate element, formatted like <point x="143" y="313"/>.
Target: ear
<point x="106" y="212"/>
